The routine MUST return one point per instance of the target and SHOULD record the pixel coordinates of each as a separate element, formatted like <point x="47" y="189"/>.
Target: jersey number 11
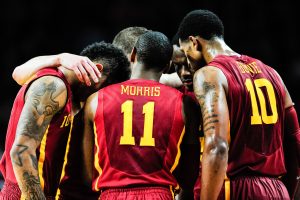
<point x="127" y="137"/>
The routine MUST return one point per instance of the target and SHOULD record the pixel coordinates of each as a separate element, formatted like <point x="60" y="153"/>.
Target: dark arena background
<point x="266" y="30"/>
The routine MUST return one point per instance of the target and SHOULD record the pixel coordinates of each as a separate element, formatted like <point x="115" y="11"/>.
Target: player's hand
<point x="82" y="66"/>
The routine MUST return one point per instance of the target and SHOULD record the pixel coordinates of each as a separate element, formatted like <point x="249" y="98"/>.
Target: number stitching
<point x="127" y="138"/>
<point x="263" y="117"/>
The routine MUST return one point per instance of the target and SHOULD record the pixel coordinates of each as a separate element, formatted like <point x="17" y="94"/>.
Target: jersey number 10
<point x="127" y="137"/>
<point x="263" y="117"/>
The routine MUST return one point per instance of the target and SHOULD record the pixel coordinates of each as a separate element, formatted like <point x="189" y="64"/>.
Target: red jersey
<point x="197" y="186"/>
<point x="51" y="152"/>
<point x="188" y="93"/>
<point x="256" y="108"/>
<point x="138" y="131"/>
<point x="71" y="185"/>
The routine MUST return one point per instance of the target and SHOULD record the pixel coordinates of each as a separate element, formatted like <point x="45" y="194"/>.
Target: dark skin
<point x="185" y="74"/>
<point x="180" y="63"/>
<point x="211" y="88"/>
<point x="187" y="170"/>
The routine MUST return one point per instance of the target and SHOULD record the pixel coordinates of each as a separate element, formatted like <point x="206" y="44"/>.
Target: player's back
<point x="139" y="127"/>
<point x="256" y="106"/>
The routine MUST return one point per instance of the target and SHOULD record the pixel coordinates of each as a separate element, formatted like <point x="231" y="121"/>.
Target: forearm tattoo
<point x="34" y="161"/>
<point x="32" y="188"/>
<point x="18" y="160"/>
<point x="209" y="115"/>
<point x="44" y="106"/>
<point x="41" y="106"/>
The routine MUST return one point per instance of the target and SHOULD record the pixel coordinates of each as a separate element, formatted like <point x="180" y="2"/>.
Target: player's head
<point x="197" y="26"/>
<point x="114" y="61"/>
<point x="203" y="23"/>
<point x="127" y="38"/>
<point x="180" y="64"/>
<point x="153" y="50"/>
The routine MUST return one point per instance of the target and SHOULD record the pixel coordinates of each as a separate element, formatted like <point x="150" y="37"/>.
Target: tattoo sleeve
<point x="207" y="97"/>
<point x="210" y="91"/>
<point x="44" y="99"/>
<point x="32" y="187"/>
<point x="43" y="107"/>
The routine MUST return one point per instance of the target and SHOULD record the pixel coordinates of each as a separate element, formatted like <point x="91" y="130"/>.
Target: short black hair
<point x="154" y="50"/>
<point x="203" y="23"/>
<point x="127" y="38"/>
<point x="114" y="61"/>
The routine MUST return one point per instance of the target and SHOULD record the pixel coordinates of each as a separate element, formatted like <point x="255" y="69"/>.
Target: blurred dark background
<point x="267" y="31"/>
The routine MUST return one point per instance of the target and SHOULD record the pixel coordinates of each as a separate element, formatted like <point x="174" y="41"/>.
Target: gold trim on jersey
<point x="172" y="191"/>
<point x="201" y="140"/>
<point x="227" y="180"/>
<point x="42" y="158"/>
<point x="96" y="158"/>
<point x="227" y="188"/>
<point x="65" y="160"/>
<point x="178" y="150"/>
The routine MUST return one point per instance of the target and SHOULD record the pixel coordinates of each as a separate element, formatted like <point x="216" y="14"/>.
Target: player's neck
<point x="216" y="47"/>
<point x="138" y="72"/>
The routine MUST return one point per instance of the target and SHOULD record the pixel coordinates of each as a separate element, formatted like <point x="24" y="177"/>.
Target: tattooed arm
<point x="44" y="98"/>
<point x="88" y="138"/>
<point x="81" y="65"/>
<point x="210" y="89"/>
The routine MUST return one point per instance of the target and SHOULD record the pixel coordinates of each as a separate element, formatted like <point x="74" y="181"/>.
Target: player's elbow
<point x="14" y="153"/>
<point x="16" y="75"/>
<point x="20" y="153"/>
<point x="216" y="148"/>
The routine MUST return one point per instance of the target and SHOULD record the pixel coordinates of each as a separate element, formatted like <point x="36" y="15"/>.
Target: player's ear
<point x="133" y="55"/>
<point x="194" y="41"/>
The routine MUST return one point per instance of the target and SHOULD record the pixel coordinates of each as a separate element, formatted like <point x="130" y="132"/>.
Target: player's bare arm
<point x="82" y="66"/>
<point x="209" y="88"/>
<point x="88" y="138"/>
<point x="44" y="98"/>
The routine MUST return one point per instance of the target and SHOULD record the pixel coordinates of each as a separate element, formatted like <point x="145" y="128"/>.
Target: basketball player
<point x="41" y="122"/>
<point x="134" y="131"/>
<point x="245" y="107"/>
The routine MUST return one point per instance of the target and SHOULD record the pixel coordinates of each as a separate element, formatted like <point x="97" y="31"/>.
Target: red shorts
<point x="10" y="191"/>
<point x="258" y="188"/>
<point x="140" y="193"/>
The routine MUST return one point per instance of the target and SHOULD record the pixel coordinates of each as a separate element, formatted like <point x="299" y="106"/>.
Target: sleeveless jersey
<point x="71" y="185"/>
<point x="138" y="131"/>
<point x="256" y="108"/>
<point x="50" y="154"/>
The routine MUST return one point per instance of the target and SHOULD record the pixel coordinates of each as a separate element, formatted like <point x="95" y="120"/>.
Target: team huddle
<point x="148" y="118"/>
